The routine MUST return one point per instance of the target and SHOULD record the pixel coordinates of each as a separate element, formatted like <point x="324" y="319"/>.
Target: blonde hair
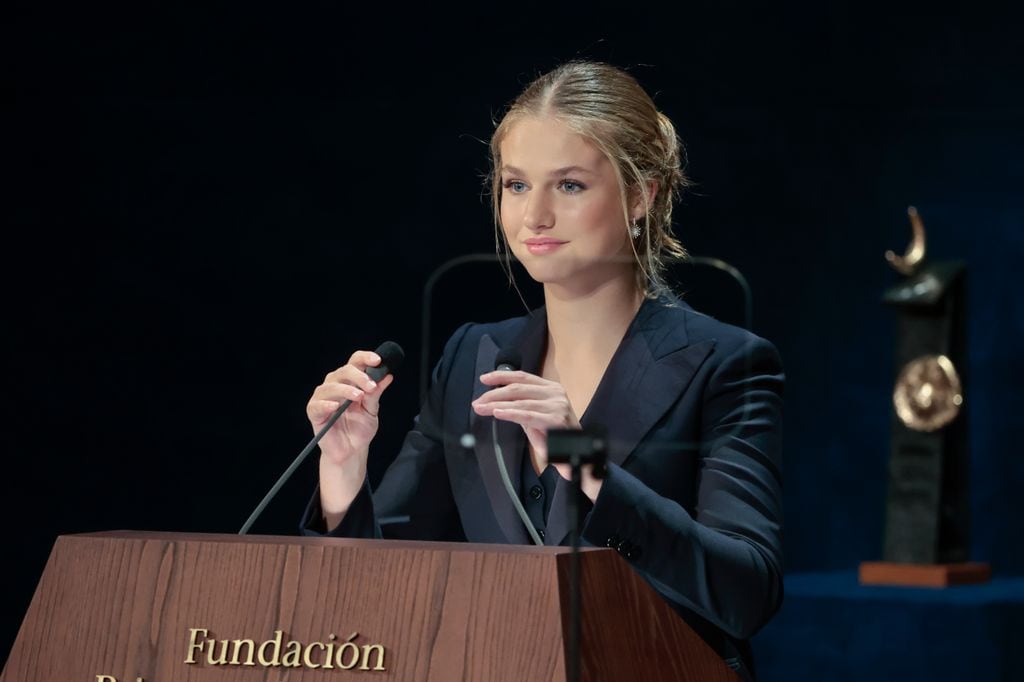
<point x="607" y="106"/>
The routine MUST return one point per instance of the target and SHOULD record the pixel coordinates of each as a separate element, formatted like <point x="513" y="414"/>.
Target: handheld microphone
<point x="509" y="360"/>
<point x="391" y="356"/>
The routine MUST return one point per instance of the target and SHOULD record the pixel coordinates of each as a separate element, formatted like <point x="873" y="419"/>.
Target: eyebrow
<point x="557" y="172"/>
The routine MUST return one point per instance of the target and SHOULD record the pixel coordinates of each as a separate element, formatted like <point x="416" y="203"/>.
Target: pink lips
<point x="539" y="245"/>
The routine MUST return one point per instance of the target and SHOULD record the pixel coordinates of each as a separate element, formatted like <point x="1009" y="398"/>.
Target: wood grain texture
<point x="122" y="603"/>
<point x="923" y="575"/>
<point x="628" y="632"/>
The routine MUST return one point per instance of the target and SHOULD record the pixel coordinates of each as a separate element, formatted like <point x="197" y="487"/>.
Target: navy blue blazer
<point x="692" y="407"/>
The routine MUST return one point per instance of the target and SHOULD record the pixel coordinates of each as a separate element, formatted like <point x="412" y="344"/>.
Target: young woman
<point x="585" y="170"/>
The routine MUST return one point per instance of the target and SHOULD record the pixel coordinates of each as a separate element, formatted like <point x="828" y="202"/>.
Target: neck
<point x="592" y="320"/>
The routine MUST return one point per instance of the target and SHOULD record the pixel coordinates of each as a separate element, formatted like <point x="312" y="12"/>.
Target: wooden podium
<point x="167" y="607"/>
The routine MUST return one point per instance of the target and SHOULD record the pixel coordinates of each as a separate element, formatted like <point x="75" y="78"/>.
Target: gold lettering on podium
<point x="275" y="660"/>
<point x="379" y="649"/>
<point x="281" y="651"/>
<point x="193" y="647"/>
<point x="305" y="655"/>
<point x="222" y="659"/>
<point x="291" y="656"/>
<point x="237" y="644"/>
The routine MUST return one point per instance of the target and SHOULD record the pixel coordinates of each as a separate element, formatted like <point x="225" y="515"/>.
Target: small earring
<point x="634" y="230"/>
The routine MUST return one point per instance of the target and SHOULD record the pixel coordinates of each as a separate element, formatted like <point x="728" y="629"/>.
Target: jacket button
<point x="540" y="532"/>
<point x="624" y="547"/>
<point x="536" y="491"/>
<point x="613" y="541"/>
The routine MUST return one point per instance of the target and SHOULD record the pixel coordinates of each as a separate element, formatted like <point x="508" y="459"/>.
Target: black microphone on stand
<point x="509" y="360"/>
<point x="577" y="447"/>
<point x="391" y="356"/>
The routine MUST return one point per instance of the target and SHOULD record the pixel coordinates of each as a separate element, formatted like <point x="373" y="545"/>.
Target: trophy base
<point x="924" y="575"/>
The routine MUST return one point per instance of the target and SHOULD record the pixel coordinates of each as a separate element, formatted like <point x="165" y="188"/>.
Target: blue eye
<point x="571" y="186"/>
<point x="515" y="186"/>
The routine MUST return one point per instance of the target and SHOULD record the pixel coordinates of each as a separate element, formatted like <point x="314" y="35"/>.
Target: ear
<point x="636" y="211"/>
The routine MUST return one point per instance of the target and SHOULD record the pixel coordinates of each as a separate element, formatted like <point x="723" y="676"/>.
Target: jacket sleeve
<point x="414" y="498"/>
<point x="724" y="561"/>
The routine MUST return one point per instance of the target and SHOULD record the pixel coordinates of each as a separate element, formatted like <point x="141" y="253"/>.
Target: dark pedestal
<point x="831" y="628"/>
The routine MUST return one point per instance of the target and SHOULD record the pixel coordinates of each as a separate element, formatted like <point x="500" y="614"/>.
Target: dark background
<point x="209" y="209"/>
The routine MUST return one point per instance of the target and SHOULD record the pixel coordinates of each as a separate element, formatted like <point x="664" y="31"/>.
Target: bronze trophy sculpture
<point x="927" y="512"/>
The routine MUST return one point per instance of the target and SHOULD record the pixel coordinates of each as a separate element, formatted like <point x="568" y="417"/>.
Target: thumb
<point x="539" y="440"/>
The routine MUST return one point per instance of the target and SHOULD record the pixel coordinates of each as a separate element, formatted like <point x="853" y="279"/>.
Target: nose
<point x="537" y="213"/>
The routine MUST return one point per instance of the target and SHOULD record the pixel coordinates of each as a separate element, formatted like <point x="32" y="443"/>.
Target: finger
<point x="350" y="374"/>
<point x="371" y="400"/>
<point x="537" y="406"/>
<point x="515" y="392"/>
<point x="364" y="358"/>
<point x="501" y="377"/>
<point x="338" y="392"/>
<point x="320" y="411"/>
<point x="535" y="420"/>
<point x="361" y="359"/>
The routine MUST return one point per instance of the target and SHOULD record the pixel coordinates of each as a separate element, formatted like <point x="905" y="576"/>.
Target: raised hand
<point x="344" y="449"/>
<point x="535" y="403"/>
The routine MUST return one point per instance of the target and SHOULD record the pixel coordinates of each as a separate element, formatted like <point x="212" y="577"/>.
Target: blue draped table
<point x="832" y="628"/>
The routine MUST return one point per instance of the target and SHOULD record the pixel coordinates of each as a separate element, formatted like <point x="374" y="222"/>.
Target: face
<point x="560" y="206"/>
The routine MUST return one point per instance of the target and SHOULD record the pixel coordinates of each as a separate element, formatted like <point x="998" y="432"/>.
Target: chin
<point x="543" y="273"/>
<point x="576" y="278"/>
<point x="546" y="269"/>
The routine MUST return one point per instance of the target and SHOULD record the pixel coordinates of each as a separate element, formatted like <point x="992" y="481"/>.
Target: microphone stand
<point x="576" y="447"/>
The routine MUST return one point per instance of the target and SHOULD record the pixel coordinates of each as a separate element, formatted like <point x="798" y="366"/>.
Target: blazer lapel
<point x="511" y="438"/>
<point x="648" y="372"/>
<point x="558" y="514"/>
<point x="650" y="369"/>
